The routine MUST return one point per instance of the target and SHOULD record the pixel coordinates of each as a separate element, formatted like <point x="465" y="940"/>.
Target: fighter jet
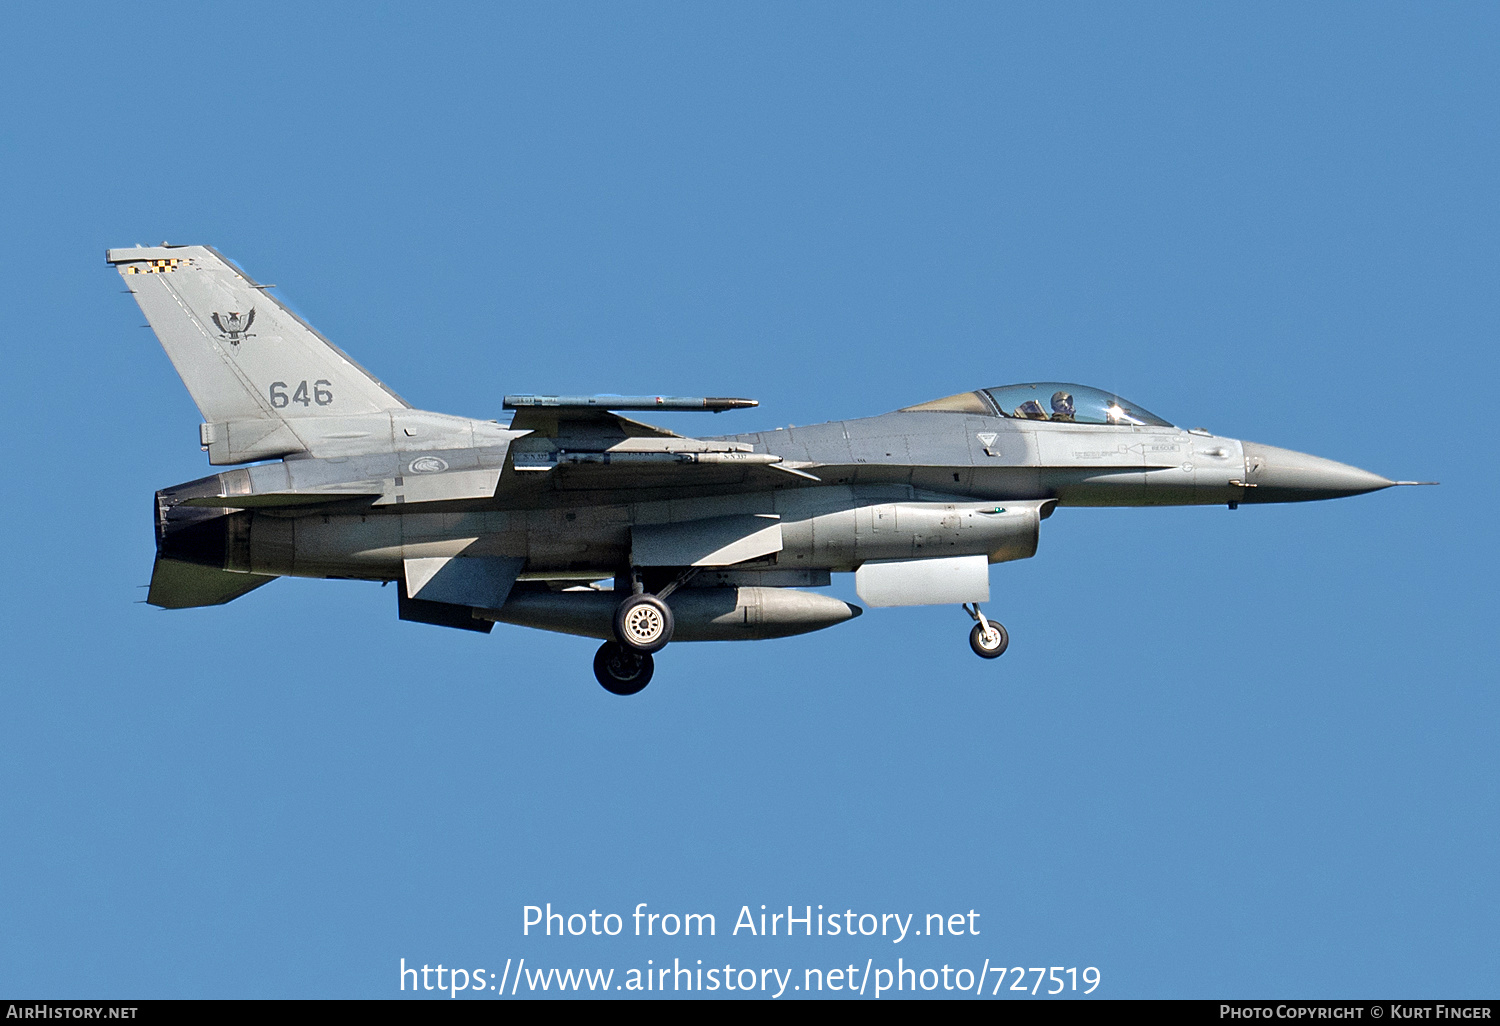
<point x="574" y="517"/>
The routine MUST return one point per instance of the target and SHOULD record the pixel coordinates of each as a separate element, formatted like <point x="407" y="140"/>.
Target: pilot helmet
<point x="1062" y="402"/>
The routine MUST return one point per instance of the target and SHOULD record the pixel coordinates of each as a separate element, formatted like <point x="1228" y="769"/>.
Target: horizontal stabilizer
<point x="178" y="585"/>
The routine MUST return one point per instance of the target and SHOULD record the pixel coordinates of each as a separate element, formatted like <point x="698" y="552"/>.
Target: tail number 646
<point x="321" y="393"/>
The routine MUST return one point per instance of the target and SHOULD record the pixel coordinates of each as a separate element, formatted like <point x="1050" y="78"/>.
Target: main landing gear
<point x="642" y="625"/>
<point x="988" y="638"/>
<point x="621" y="670"/>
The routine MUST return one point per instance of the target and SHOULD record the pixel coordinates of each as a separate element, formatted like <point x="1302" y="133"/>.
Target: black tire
<point x="976" y="641"/>
<point x="621" y="671"/>
<point x="643" y="623"/>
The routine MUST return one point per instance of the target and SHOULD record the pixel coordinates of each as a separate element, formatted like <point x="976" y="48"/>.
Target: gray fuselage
<point x="899" y="485"/>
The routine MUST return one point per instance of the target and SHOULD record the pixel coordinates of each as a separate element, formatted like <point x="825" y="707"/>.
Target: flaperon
<point x="577" y="519"/>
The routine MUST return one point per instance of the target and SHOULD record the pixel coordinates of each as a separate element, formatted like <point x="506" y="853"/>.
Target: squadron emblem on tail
<point x="235" y="327"/>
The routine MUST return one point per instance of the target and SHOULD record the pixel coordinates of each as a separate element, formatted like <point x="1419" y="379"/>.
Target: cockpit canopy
<point x="1056" y="401"/>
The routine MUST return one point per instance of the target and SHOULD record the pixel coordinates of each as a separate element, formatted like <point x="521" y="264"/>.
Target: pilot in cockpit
<point x="1062" y="406"/>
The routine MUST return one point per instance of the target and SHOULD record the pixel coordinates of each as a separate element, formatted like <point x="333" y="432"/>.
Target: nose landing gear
<point x="988" y="638"/>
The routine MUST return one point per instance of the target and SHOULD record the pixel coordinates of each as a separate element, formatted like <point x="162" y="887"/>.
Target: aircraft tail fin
<point x="263" y="378"/>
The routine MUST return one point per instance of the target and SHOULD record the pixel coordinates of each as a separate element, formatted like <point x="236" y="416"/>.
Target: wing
<point x="560" y="415"/>
<point x="578" y="444"/>
<point x="544" y="422"/>
<point x="672" y="465"/>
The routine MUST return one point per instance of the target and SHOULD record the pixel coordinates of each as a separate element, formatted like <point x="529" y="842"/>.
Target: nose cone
<point x="1281" y="475"/>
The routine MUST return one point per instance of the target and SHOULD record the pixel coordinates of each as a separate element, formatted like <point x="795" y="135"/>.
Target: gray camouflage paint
<point x="365" y="484"/>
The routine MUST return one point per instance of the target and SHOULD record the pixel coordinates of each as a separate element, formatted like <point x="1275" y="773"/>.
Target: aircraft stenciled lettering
<point x="322" y="394"/>
<point x="578" y="518"/>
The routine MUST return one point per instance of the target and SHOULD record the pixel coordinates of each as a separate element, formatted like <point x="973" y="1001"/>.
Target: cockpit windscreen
<point x="1073" y="404"/>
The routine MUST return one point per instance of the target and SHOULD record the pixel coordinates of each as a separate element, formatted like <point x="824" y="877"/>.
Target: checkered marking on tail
<point x="158" y="266"/>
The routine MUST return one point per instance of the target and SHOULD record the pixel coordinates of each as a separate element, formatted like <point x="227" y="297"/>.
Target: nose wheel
<point x="622" y="671"/>
<point x="988" y="638"/>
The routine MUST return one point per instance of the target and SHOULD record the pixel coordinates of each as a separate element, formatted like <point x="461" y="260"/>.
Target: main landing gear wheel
<point x="989" y="643"/>
<point x="622" y="671"/>
<point x="643" y="623"/>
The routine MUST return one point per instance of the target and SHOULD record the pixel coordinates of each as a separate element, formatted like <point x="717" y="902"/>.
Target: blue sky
<point x="1247" y="753"/>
